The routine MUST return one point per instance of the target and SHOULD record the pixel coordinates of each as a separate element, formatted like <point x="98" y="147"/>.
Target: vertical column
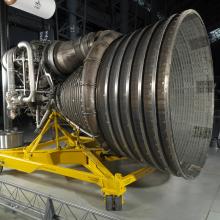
<point x="154" y="10"/>
<point x="4" y="47"/>
<point x="84" y="17"/>
<point x="124" y="7"/>
<point x="72" y="7"/>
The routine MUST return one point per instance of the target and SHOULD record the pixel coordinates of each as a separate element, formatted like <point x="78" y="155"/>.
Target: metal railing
<point x="40" y="206"/>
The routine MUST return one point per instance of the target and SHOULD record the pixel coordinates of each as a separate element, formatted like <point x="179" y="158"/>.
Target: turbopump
<point x="147" y="95"/>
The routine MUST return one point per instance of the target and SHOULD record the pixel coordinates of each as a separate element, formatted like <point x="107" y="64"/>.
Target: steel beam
<point x="4" y="36"/>
<point x="124" y="7"/>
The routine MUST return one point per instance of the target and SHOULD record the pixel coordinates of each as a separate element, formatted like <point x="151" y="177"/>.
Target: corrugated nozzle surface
<point x="154" y="95"/>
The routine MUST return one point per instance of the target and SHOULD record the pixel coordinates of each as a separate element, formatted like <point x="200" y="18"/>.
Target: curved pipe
<point x="7" y="124"/>
<point x="65" y="57"/>
<point x="8" y="60"/>
<point x="8" y="72"/>
<point x="27" y="46"/>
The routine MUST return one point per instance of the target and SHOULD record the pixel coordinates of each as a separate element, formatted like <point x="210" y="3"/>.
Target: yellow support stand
<point x="72" y="149"/>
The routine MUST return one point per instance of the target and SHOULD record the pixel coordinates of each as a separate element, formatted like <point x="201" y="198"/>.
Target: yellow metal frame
<point x="70" y="149"/>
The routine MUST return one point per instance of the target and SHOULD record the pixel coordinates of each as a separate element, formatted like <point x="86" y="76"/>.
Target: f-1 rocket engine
<point x="147" y="95"/>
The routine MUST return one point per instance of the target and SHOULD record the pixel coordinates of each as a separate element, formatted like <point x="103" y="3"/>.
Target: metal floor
<point x="156" y="197"/>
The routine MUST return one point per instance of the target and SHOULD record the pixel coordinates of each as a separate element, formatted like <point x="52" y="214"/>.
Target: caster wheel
<point x="1" y="169"/>
<point x="109" y="203"/>
<point x="113" y="203"/>
<point x="218" y="143"/>
<point x="118" y="203"/>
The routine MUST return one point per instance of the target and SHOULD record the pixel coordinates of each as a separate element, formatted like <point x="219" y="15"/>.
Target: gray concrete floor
<point x="6" y="214"/>
<point x="156" y="197"/>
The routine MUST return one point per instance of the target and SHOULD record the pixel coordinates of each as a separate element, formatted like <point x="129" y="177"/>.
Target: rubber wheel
<point x="113" y="203"/>
<point x="118" y="203"/>
<point x="218" y="143"/>
<point x="109" y="203"/>
<point x="1" y="169"/>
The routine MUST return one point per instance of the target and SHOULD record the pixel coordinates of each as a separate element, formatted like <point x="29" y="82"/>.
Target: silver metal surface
<point x="149" y="92"/>
<point x="173" y="94"/>
<point x="75" y="98"/>
<point x="65" y="57"/>
<point x="119" y="86"/>
<point x="102" y="104"/>
<point x="10" y="93"/>
<point x="6" y="119"/>
<point x="31" y="75"/>
<point x="11" y="139"/>
<point x="185" y="94"/>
